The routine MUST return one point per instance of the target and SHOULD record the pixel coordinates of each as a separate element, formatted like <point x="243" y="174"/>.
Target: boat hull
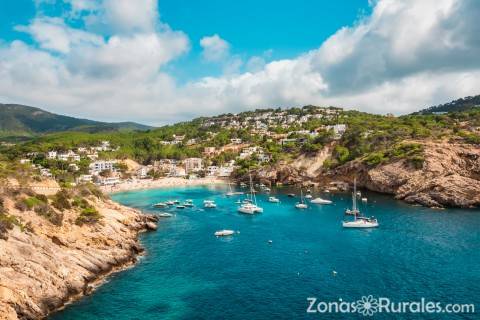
<point x="359" y="224"/>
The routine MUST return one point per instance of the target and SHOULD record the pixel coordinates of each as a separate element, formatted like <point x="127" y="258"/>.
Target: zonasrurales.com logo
<point x="369" y="305"/>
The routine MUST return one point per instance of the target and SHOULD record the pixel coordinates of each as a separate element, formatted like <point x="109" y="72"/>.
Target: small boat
<point x="273" y="199"/>
<point x="188" y="203"/>
<point x="364" y="200"/>
<point x="361" y="222"/>
<point x="354" y="211"/>
<point x="224" y="233"/>
<point x="249" y="206"/>
<point x="164" y="215"/>
<point x="160" y="205"/>
<point x="270" y="241"/>
<point x="327" y="191"/>
<point x="243" y="184"/>
<point x="209" y="204"/>
<point x="176" y="202"/>
<point x="308" y="196"/>
<point x="169" y="203"/>
<point x="180" y="206"/>
<point x="291" y="195"/>
<point x="301" y="204"/>
<point x="267" y="189"/>
<point x="321" y="201"/>
<point x="359" y="194"/>
<point x="358" y="221"/>
<point x="238" y="202"/>
<point x="230" y="192"/>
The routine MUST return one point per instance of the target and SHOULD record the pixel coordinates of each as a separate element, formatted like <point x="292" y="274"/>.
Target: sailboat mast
<point x="354" y="195"/>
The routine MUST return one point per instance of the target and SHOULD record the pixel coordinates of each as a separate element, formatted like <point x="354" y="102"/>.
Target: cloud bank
<point x="404" y="56"/>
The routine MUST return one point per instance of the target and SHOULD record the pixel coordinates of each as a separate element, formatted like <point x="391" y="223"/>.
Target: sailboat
<point x="232" y="193"/>
<point x="250" y="206"/>
<point x="354" y="211"/>
<point x="301" y="204"/>
<point x="358" y="221"/>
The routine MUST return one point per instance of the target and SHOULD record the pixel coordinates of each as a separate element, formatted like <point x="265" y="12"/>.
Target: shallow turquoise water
<point x="189" y="274"/>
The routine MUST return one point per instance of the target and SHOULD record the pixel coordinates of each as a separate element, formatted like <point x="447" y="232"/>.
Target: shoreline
<point x="161" y="183"/>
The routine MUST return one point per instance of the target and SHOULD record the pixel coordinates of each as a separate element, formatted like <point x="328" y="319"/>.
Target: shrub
<point x="7" y="222"/>
<point x="61" y="200"/>
<point x="80" y="203"/>
<point x="375" y="158"/>
<point x="88" y="215"/>
<point x="20" y="205"/>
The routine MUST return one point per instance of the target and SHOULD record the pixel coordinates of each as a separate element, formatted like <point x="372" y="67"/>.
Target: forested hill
<point x="459" y="105"/>
<point x="24" y="121"/>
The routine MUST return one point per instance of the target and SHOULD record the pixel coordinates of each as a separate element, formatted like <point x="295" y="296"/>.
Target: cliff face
<point x="43" y="268"/>
<point x="450" y="176"/>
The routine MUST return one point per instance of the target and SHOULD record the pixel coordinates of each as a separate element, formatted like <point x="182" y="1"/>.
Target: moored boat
<point x="321" y="201"/>
<point x="273" y="199"/>
<point x="224" y="233"/>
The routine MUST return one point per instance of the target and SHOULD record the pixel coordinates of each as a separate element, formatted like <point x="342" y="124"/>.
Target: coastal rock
<point x="41" y="271"/>
<point x="450" y="176"/>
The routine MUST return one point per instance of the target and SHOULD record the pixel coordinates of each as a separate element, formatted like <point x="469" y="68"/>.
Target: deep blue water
<point x="188" y="273"/>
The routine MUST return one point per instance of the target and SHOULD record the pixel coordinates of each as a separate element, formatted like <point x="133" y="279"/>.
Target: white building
<point x="99" y="166"/>
<point x="212" y="171"/>
<point x="85" y="178"/>
<point x="193" y="165"/>
<point x="68" y="156"/>
<point x="51" y="154"/>
<point x="24" y="161"/>
<point x="236" y="141"/>
<point x="142" y="172"/>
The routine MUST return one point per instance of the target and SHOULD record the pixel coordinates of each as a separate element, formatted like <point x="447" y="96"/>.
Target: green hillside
<point x="459" y="105"/>
<point x="24" y="121"/>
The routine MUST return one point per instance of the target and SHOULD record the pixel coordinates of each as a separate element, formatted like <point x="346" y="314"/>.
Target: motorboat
<point x="273" y="199"/>
<point x="224" y="233"/>
<point x="180" y="206"/>
<point x="308" y="196"/>
<point x="164" y="215"/>
<point x="291" y="195"/>
<point x="209" y="204"/>
<point x="188" y="203"/>
<point x="301" y="204"/>
<point x="364" y="200"/>
<point x="169" y="202"/>
<point x="361" y="222"/>
<point x="160" y="205"/>
<point x="249" y="205"/>
<point x="320" y="201"/>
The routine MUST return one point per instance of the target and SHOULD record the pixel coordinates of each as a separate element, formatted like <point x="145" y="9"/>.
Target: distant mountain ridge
<point x="458" y="105"/>
<point x="24" y="121"/>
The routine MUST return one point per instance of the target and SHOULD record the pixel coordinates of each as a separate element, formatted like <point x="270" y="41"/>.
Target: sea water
<point x="284" y="258"/>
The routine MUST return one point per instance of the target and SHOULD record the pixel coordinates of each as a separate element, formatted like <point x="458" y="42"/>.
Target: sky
<point x="159" y="62"/>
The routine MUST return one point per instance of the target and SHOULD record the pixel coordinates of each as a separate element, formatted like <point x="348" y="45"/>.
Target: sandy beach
<point x="161" y="183"/>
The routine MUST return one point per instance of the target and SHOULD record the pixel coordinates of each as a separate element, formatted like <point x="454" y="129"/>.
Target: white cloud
<point x="53" y="34"/>
<point x="215" y="48"/>
<point x="404" y="56"/>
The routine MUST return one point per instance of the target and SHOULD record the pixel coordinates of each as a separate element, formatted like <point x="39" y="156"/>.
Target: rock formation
<point x="46" y="266"/>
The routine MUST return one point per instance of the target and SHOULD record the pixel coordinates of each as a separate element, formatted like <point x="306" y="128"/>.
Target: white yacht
<point x="308" y="196"/>
<point x="358" y="220"/>
<point x="301" y="204"/>
<point x="160" y="205"/>
<point x="223" y="233"/>
<point x="209" y="204"/>
<point x="321" y="201"/>
<point x="250" y="206"/>
<point x="188" y="203"/>
<point x="273" y="199"/>
<point x="164" y="215"/>
<point x="361" y="222"/>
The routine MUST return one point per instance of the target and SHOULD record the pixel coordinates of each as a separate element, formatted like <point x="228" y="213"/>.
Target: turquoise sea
<point x="188" y="273"/>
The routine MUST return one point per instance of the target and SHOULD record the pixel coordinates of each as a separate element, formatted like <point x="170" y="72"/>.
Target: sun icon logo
<point x="367" y="305"/>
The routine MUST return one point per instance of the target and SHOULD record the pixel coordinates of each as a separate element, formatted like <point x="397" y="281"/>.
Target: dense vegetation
<point x="373" y="138"/>
<point x="459" y="105"/>
<point x="23" y="121"/>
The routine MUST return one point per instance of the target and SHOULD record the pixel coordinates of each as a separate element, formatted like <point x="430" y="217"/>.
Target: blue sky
<point x="280" y="28"/>
<point x="164" y="61"/>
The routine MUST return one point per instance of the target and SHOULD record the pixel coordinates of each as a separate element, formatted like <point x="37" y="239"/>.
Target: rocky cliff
<point x="44" y="265"/>
<point x="449" y="176"/>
